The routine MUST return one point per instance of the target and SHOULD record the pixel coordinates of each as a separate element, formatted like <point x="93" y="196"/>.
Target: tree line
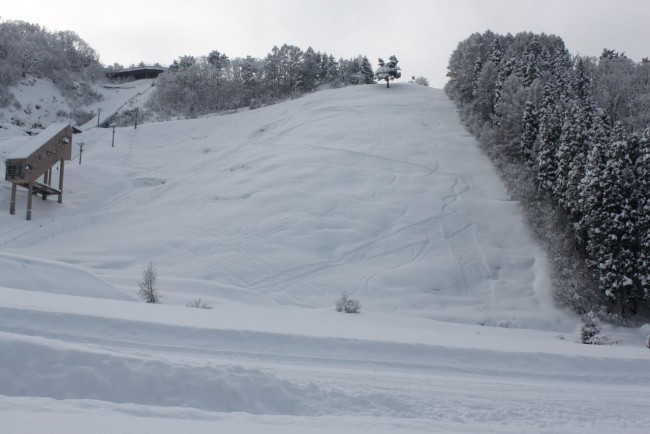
<point x="61" y="56"/>
<point x="198" y="85"/>
<point x="570" y="137"/>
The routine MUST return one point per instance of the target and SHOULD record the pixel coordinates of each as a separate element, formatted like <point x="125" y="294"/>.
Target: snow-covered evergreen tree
<point x="496" y="51"/>
<point x="643" y="214"/>
<point x="484" y="98"/>
<point x="572" y="154"/>
<point x="531" y="65"/>
<point x="590" y="328"/>
<point x="580" y="83"/>
<point x="550" y="130"/>
<point x="478" y="66"/>
<point x="332" y="72"/>
<point x="613" y="242"/>
<point x="388" y="71"/>
<point x="310" y="70"/>
<point x="530" y="128"/>
<point x="505" y="70"/>
<point x="366" y="71"/>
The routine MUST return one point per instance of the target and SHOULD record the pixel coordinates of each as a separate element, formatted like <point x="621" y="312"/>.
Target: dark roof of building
<point x="138" y="72"/>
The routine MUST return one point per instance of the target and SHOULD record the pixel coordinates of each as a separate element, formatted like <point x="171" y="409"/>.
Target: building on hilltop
<point x="136" y="73"/>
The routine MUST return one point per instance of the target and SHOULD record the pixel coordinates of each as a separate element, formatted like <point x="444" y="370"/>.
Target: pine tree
<point x="531" y="68"/>
<point x="496" y="51"/>
<point x="484" y="98"/>
<point x="643" y="215"/>
<point x="550" y="130"/>
<point x="580" y="83"/>
<point x="366" y="71"/>
<point x="591" y="192"/>
<point x="505" y="70"/>
<point x="571" y="156"/>
<point x="590" y="328"/>
<point x="530" y="128"/>
<point x="478" y="66"/>
<point x="309" y="70"/>
<point x="332" y="71"/>
<point x="388" y="71"/>
<point x="614" y="256"/>
<point x="591" y="188"/>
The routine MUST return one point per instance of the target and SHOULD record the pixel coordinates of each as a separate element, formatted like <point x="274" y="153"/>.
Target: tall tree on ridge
<point x="388" y="71"/>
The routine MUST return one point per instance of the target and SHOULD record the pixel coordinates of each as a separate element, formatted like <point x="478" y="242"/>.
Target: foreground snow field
<point x="268" y="216"/>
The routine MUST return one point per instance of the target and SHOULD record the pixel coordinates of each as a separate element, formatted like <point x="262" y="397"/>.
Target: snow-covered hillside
<point x="38" y="102"/>
<point x="269" y="216"/>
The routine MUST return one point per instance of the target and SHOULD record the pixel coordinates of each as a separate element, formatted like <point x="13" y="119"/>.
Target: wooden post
<point x="12" y="204"/>
<point x="45" y="181"/>
<point x="29" y="200"/>
<point x="61" y="181"/>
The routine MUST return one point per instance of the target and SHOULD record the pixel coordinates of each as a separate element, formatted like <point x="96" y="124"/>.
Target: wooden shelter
<point x="36" y="158"/>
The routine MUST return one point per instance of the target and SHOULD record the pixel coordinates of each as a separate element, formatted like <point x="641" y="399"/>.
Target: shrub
<point x="590" y="330"/>
<point x="347" y="305"/>
<point x="199" y="304"/>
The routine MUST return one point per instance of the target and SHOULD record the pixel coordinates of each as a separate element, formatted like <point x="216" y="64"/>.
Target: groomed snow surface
<point x="269" y="216"/>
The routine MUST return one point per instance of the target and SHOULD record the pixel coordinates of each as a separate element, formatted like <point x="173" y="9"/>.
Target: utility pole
<point x="136" y="118"/>
<point x="113" y="142"/>
<point x="81" y="150"/>
<point x="99" y="111"/>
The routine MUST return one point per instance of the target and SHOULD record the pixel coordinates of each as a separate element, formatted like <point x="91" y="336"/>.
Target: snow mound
<point x="31" y="368"/>
<point x="33" y="274"/>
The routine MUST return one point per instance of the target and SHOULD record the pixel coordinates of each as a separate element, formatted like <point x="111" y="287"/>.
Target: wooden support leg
<point x="61" y="181"/>
<point x="12" y="204"/>
<point x="45" y="182"/>
<point x="29" y="200"/>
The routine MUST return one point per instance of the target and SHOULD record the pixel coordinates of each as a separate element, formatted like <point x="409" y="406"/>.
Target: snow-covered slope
<point x="268" y="216"/>
<point x="39" y="102"/>
<point x="373" y="192"/>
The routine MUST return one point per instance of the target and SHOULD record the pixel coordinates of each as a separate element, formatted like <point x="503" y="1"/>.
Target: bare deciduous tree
<point x="149" y="285"/>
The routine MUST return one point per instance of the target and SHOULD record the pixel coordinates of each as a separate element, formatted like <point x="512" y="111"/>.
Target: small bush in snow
<point x="645" y="330"/>
<point x="508" y="323"/>
<point x="590" y="330"/>
<point x="149" y="285"/>
<point x="199" y="304"/>
<point x="347" y="305"/>
<point x="422" y="81"/>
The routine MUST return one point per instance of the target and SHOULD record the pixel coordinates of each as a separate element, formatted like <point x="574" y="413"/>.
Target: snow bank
<point x="33" y="274"/>
<point x="31" y="368"/>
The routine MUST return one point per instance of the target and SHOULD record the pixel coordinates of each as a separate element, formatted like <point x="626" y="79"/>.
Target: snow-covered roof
<point x="33" y="143"/>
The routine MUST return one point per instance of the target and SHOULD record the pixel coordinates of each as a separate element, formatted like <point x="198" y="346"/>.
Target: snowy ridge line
<point x="265" y="347"/>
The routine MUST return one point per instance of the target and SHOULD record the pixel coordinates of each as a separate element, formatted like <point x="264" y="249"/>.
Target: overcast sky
<point x="421" y="33"/>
